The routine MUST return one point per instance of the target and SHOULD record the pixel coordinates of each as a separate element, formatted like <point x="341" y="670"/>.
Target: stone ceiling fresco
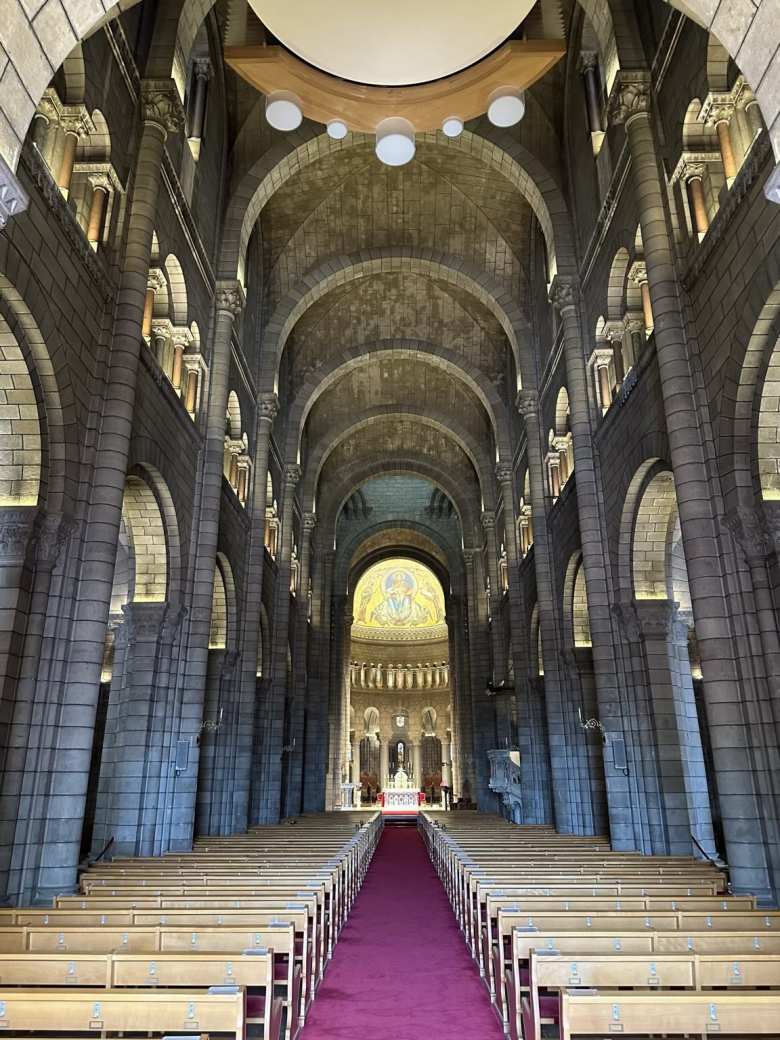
<point x="399" y="600"/>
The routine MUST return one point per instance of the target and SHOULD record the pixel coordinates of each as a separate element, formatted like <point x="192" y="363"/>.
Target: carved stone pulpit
<point x="506" y="781"/>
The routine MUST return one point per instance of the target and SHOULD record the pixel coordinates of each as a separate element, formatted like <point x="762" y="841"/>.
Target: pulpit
<point x="506" y="782"/>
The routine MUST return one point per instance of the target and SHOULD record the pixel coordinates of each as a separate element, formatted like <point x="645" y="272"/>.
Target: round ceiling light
<point x="395" y="141"/>
<point x="337" y="129"/>
<point x="452" y="126"/>
<point x="506" y="106"/>
<point x="283" y="110"/>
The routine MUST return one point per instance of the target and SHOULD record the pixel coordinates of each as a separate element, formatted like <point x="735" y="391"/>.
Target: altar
<point x="400" y="798"/>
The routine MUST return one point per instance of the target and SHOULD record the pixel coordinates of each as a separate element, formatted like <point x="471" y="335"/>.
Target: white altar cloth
<point x="401" y="798"/>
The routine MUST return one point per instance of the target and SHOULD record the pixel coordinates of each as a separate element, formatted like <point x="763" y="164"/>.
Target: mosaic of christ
<point x="403" y="595"/>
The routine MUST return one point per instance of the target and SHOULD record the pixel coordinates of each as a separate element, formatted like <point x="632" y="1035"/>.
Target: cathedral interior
<point x="376" y="410"/>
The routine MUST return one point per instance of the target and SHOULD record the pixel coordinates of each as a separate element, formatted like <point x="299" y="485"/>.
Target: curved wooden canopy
<point x="516" y="64"/>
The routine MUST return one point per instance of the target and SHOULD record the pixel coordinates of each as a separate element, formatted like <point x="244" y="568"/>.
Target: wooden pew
<point x="105" y="1011"/>
<point x="576" y="945"/>
<point x="232" y="941"/>
<point x="181" y="921"/>
<point x="551" y="973"/>
<point x="669" y="1013"/>
<point x="254" y="971"/>
<point x="508" y="918"/>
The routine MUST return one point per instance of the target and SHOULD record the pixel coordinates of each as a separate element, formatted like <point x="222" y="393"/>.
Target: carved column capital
<point x="660" y="619"/>
<point x="634" y="324"/>
<point x="268" y="407"/>
<point x="690" y="170"/>
<point x="155" y="279"/>
<point x="750" y="530"/>
<point x="172" y="623"/>
<point x="527" y="403"/>
<point x="13" y="198"/>
<point x="628" y="619"/>
<point x="180" y="335"/>
<point x="16" y="528"/>
<point x="588" y="62"/>
<point x="488" y="520"/>
<point x="309" y="521"/>
<point x="717" y="108"/>
<point x="202" y="68"/>
<point x="161" y="105"/>
<point x="630" y="96"/>
<point x="144" y="621"/>
<point x="468" y="557"/>
<point x="563" y="294"/>
<point x="229" y="298"/>
<point x="52" y="531"/>
<point x="504" y="473"/>
<point x="638" y="272"/>
<point x="292" y="474"/>
<point x="74" y="119"/>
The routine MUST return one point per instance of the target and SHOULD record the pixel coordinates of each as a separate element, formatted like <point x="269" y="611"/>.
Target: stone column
<point x="201" y="74"/>
<point x="215" y="809"/>
<point x="694" y="181"/>
<point x="417" y="763"/>
<point x="23" y="748"/>
<point x="496" y="629"/>
<point x="681" y="759"/>
<point x="563" y="744"/>
<point x="384" y="761"/>
<point x="97" y="208"/>
<point x="446" y="760"/>
<point x="247" y="762"/>
<point x="138" y="701"/>
<point x="639" y="277"/>
<point x="279" y="696"/>
<point x="720" y="117"/>
<point x="615" y="707"/>
<point x="297" y="761"/>
<point x="72" y="128"/>
<point x="52" y="858"/>
<point x="317" y="780"/>
<point x="534" y="761"/>
<point x="463" y="751"/>
<point x="182" y="785"/>
<point x="16" y="530"/>
<point x="740" y="802"/>
<point x="749" y="529"/>
<point x="482" y="711"/>
<point x="589" y="66"/>
<point x="338" y="634"/>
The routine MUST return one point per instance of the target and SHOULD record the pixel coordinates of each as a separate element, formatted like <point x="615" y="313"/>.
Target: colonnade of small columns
<point x="704" y="173"/>
<point x="90" y="185"/>
<point x="380" y="675"/>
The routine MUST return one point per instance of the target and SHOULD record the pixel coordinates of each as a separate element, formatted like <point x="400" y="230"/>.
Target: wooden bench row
<point x="563" y="958"/>
<point x="244" y="950"/>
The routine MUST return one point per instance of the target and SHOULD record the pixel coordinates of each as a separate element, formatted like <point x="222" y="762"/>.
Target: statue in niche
<point x="401" y="778"/>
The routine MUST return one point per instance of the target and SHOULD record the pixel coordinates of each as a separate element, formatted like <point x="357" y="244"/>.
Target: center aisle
<point x="401" y="969"/>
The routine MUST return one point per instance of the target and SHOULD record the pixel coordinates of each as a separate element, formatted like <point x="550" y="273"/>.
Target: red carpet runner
<point x="401" y="970"/>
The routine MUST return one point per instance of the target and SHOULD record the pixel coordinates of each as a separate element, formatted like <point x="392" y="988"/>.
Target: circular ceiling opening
<point x="391" y="44"/>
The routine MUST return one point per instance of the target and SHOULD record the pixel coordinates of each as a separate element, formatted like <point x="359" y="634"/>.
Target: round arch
<point x="320" y="380"/>
<point x="436" y="421"/>
<point x="339" y="271"/>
